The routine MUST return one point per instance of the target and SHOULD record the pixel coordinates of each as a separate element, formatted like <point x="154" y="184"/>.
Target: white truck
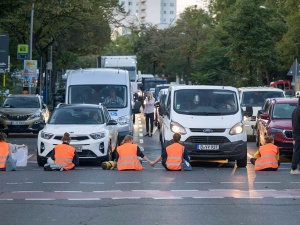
<point x="125" y="62"/>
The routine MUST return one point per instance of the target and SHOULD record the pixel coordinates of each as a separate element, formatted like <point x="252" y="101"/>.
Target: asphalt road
<point x="213" y="193"/>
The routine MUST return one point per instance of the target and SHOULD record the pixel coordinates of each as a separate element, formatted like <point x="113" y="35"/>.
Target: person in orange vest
<point x="5" y="151"/>
<point x="127" y="155"/>
<point x="64" y="157"/>
<point x="172" y="156"/>
<point x="267" y="156"/>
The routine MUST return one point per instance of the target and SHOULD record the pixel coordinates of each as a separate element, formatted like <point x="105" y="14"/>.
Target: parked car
<point x="275" y="119"/>
<point x="93" y="139"/>
<point x="23" y="114"/>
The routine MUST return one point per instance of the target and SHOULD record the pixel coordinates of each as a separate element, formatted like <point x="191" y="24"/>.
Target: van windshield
<point x="112" y="96"/>
<point x="257" y="98"/>
<point x="205" y="102"/>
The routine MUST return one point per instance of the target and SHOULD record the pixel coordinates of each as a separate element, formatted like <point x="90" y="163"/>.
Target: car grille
<point x="207" y="139"/>
<point x="18" y="128"/>
<point x="18" y="117"/>
<point x="206" y="130"/>
<point x="288" y="133"/>
<point x="74" y="138"/>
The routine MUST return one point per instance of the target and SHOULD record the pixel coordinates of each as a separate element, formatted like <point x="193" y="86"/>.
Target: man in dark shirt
<point x="296" y="137"/>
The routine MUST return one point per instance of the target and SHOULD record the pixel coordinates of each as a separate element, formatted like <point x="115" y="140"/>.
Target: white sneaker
<point x="296" y="171"/>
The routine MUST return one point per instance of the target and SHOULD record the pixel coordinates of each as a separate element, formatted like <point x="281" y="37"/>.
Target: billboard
<point x="30" y="73"/>
<point x="4" y="52"/>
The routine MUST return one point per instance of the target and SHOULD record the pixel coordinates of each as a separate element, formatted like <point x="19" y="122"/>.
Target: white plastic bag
<point x="21" y="156"/>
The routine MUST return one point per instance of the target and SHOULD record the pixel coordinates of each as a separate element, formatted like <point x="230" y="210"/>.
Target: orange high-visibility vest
<point x="174" y="156"/>
<point x="267" y="159"/>
<point x="64" y="155"/>
<point x="4" y="152"/>
<point x="128" y="159"/>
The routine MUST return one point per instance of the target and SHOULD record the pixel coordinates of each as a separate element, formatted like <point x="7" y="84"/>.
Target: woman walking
<point x="149" y="113"/>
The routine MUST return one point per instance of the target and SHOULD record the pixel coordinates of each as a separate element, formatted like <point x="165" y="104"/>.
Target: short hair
<point x="176" y="137"/>
<point x="269" y="139"/>
<point x="3" y="136"/>
<point x="127" y="139"/>
<point x="66" y="137"/>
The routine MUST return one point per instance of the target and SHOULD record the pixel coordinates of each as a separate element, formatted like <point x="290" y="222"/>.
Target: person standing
<point x="296" y="137"/>
<point x="173" y="154"/>
<point x="149" y="113"/>
<point x="127" y="155"/>
<point x="267" y="156"/>
<point x="5" y="151"/>
<point x="63" y="155"/>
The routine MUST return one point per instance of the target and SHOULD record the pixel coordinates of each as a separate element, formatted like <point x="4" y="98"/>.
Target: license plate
<point x="208" y="147"/>
<point x="78" y="148"/>
<point x="113" y="113"/>
<point x="17" y="123"/>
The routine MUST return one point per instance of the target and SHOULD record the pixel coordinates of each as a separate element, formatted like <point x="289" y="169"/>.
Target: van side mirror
<point x="264" y="116"/>
<point x="249" y="111"/>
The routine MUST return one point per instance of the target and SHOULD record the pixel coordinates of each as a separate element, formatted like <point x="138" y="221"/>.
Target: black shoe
<point x="150" y="135"/>
<point x="146" y="135"/>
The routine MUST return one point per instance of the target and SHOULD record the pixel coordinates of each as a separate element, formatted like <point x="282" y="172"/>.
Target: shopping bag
<point x="186" y="165"/>
<point x="20" y="156"/>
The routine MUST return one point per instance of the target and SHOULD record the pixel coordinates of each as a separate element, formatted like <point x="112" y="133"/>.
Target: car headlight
<point x="177" y="128"/>
<point x="99" y="135"/>
<point x="276" y="130"/>
<point x="46" y="135"/>
<point x="124" y="120"/>
<point x="35" y="115"/>
<point x="246" y="118"/>
<point x="237" y="129"/>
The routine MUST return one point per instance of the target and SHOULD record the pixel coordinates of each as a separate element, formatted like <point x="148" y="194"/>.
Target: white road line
<point x="183" y="190"/>
<point x="224" y="190"/>
<point x="84" y="199"/>
<point x="120" y="198"/>
<point x="198" y="182"/>
<point x="107" y="191"/>
<point x="210" y="197"/>
<point x="248" y="197"/>
<point x="134" y="182"/>
<point x="68" y="191"/>
<point x="167" y="198"/>
<point x="29" y="156"/>
<point x="287" y="196"/>
<point x="91" y="182"/>
<point x="27" y="191"/>
<point x="232" y="182"/>
<point x="12" y="183"/>
<point x="140" y="129"/>
<point x="141" y="141"/>
<point x="55" y="182"/>
<point x="147" y="190"/>
<point x="37" y="169"/>
<point x="141" y="135"/>
<point x="7" y="199"/>
<point x="262" y="190"/>
<point x="39" y="199"/>
<point x="142" y="149"/>
<point x="267" y="182"/>
<point x="162" y="182"/>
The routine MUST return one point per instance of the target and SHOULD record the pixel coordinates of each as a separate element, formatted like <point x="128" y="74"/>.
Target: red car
<point x="275" y="119"/>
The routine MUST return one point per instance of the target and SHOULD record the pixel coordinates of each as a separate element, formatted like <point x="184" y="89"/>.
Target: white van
<point x="99" y="85"/>
<point x="253" y="99"/>
<point x="210" y="121"/>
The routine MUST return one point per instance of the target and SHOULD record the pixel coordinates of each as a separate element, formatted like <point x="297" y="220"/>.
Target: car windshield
<point x="158" y="88"/>
<point x="205" y="102"/>
<point x="152" y="83"/>
<point x="111" y="96"/>
<point x="76" y="116"/>
<point x="257" y="98"/>
<point x="21" y="102"/>
<point x="283" y="111"/>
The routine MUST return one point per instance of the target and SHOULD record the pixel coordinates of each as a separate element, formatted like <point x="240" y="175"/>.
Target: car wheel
<point x="40" y="161"/>
<point x="242" y="162"/>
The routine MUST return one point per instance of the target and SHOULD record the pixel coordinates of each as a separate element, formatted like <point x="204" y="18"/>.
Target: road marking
<point x="141" y="141"/>
<point x="140" y="129"/>
<point x="147" y="190"/>
<point x="119" y="198"/>
<point x="142" y="149"/>
<point x="295" y="182"/>
<point x="12" y="183"/>
<point x="191" y="182"/>
<point x="29" y="156"/>
<point x="223" y="190"/>
<point x="163" y="182"/>
<point x="107" y="191"/>
<point x="183" y="190"/>
<point x="39" y="199"/>
<point x="267" y="182"/>
<point x="55" y="182"/>
<point x="248" y="197"/>
<point x="209" y="197"/>
<point x="167" y="198"/>
<point x="134" y="182"/>
<point x="27" y="191"/>
<point x="91" y="182"/>
<point x="8" y="199"/>
<point x="237" y="182"/>
<point x="141" y="135"/>
<point x="84" y="199"/>
<point x="68" y="191"/>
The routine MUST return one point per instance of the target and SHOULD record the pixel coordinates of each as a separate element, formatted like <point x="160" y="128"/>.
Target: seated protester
<point x="64" y="157"/>
<point x="127" y="155"/>
<point x="173" y="154"/>
<point x="5" y="153"/>
<point x="113" y="98"/>
<point x="267" y="156"/>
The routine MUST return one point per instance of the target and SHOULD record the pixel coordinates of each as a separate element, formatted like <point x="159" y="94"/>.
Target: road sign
<point x="295" y="69"/>
<point x="22" y="56"/>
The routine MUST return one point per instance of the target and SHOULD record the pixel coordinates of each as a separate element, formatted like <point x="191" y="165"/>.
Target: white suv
<point x="94" y="138"/>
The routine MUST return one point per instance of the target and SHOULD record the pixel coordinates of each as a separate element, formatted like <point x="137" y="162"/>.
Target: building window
<point x="164" y="20"/>
<point x="165" y="4"/>
<point x="129" y="3"/>
<point x="165" y="12"/>
<point x="172" y="12"/>
<point x="172" y="4"/>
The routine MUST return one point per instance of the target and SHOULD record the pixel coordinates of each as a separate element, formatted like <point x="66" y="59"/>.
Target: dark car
<point x="275" y="119"/>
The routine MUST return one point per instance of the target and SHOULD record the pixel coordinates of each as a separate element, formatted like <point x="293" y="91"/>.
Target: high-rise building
<point x="151" y="12"/>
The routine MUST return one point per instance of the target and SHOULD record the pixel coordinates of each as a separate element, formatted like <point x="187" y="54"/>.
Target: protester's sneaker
<point x="296" y="171"/>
